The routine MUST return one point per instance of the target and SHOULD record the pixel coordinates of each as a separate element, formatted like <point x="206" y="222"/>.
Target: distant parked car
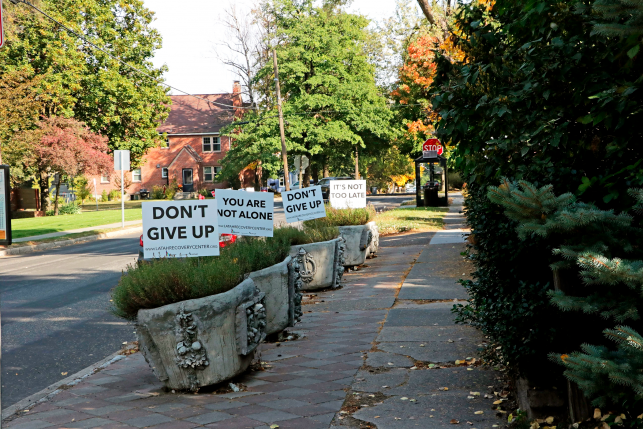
<point x="224" y="240"/>
<point x="325" y="185"/>
<point x="296" y="184"/>
<point x="410" y="188"/>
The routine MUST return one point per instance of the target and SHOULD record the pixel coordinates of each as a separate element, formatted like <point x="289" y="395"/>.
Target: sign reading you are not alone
<point x="303" y="204"/>
<point x="245" y="213"/>
<point x="345" y="194"/>
<point x="180" y="229"/>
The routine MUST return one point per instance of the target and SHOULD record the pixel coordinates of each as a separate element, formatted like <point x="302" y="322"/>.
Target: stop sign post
<point x="432" y="148"/>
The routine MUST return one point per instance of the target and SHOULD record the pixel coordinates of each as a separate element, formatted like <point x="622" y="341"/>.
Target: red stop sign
<point x="433" y="145"/>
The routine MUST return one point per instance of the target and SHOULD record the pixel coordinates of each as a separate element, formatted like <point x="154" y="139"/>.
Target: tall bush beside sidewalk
<point x="541" y="98"/>
<point x="600" y="253"/>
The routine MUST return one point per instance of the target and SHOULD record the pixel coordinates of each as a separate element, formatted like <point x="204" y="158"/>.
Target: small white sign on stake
<point x="345" y="194"/>
<point x="176" y="229"/>
<point x="245" y="213"/>
<point x="303" y="204"/>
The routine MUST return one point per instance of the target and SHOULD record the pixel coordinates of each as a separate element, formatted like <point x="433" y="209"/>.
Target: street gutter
<point x="31" y="248"/>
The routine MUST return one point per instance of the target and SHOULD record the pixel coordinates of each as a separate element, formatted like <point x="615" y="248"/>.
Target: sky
<point x="191" y="31"/>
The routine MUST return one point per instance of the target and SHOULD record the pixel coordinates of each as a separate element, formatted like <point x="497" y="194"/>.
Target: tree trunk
<point x="426" y="9"/>
<point x="307" y="176"/>
<point x="57" y="193"/>
<point x="315" y="173"/>
<point x="356" y="162"/>
<point x="326" y="168"/>
<point x="43" y="182"/>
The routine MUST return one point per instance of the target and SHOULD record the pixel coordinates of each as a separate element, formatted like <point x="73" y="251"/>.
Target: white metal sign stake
<point x="122" y="197"/>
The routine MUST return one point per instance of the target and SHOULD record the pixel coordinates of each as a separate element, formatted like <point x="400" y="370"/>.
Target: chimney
<point x="237" y="101"/>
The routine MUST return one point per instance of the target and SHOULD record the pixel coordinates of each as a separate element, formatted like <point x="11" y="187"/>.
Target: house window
<point x="164" y="172"/>
<point x="211" y="144"/>
<point x="136" y="175"/>
<point x="104" y="178"/>
<point x="167" y="142"/>
<point x="210" y="173"/>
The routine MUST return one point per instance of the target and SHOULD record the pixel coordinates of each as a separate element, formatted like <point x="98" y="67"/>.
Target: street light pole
<point x="284" y="153"/>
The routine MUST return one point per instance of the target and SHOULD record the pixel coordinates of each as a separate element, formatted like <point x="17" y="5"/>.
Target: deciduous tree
<point x="65" y="147"/>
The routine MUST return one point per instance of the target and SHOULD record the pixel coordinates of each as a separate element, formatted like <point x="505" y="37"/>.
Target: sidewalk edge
<point x="61" y="243"/>
<point x="52" y="390"/>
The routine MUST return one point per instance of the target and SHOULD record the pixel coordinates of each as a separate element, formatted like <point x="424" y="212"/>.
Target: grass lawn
<point x="410" y="219"/>
<point x="45" y="225"/>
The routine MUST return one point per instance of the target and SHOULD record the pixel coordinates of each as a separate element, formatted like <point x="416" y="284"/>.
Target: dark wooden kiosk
<point x="430" y="190"/>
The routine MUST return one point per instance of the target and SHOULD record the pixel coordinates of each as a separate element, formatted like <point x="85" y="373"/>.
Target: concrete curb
<point x="50" y="391"/>
<point x="60" y="243"/>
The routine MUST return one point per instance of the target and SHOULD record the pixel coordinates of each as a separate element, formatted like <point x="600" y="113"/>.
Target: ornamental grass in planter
<point x="199" y="320"/>
<point x="356" y="227"/>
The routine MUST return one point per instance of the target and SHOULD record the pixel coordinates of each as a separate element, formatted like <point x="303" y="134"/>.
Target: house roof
<point x="191" y="115"/>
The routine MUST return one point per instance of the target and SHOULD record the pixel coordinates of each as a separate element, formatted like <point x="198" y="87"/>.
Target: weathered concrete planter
<point x="203" y="341"/>
<point x="375" y="239"/>
<point x="358" y="239"/>
<point x="321" y="264"/>
<point x="283" y="298"/>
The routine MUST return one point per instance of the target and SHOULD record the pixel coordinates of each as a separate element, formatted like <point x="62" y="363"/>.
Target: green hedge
<point x="540" y="98"/>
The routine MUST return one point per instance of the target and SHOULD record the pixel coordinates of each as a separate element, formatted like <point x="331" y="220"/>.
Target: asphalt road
<point x="55" y="309"/>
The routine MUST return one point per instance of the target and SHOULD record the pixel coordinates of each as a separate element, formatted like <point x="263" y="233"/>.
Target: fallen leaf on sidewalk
<point x="470" y="423"/>
<point x="443" y="388"/>
<point x="479" y="412"/>
<point x="63" y="373"/>
<point x="454" y="421"/>
<point x="497" y="402"/>
<point x="474" y="393"/>
<point x="274" y="426"/>
<point x="377" y="417"/>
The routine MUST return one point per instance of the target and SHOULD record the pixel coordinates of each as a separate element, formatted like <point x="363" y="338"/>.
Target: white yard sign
<point x="175" y="229"/>
<point x="346" y="194"/>
<point x="304" y="204"/>
<point x="245" y="213"/>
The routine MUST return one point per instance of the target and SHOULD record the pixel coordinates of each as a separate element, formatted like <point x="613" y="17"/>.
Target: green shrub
<point x="157" y="193"/>
<point x="114" y="195"/>
<point x="454" y="179"/>
<point x="83" y="189"/>
<point x="71" y="208"/>
<point x="104" y="196"/>
<point x="172" y="189"/>
<point x="342" y="217"/>
<point x="169" y="280"/>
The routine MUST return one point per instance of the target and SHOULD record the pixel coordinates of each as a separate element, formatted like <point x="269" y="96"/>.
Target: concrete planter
<point x="282" y="287"/>
<point x="375" y="239"/>
<point x="321" y="264"/>
<point x="358" y="239"/>
<point x="203" y="341"/>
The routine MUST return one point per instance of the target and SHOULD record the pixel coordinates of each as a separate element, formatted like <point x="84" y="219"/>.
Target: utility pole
<point x="356" y="162"/>
<point x="284" y="152"/>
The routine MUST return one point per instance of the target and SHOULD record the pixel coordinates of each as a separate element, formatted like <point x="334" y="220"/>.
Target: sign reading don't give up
<point x="303" y="204"/>
<point x="180" y="229"/>
<point x="245" y="213"/>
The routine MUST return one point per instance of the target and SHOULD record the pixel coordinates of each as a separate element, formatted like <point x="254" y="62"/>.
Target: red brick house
<point x="194" y="147"/>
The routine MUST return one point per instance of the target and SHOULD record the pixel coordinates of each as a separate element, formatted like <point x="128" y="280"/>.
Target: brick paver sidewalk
<point x="344" y="370"/>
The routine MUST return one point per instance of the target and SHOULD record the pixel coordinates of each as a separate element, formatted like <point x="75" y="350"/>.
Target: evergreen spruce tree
<point x="604" y="248"/>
